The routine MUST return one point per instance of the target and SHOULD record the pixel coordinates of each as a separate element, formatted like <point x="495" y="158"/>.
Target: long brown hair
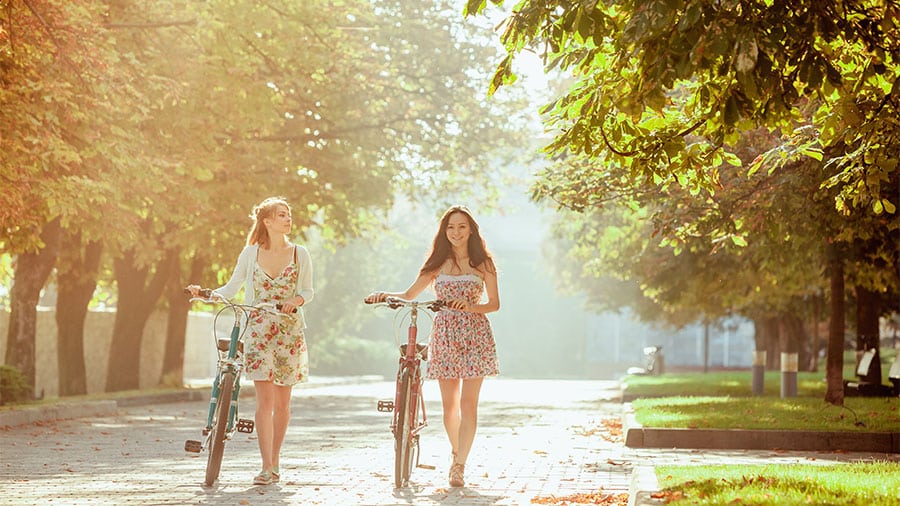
<point x="441" y="249"/>
<point x="259" y="234"/>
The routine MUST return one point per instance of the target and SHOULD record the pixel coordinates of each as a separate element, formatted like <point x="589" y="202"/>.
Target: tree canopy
<point x="668" y="95"/>
<point x="153" y="128"/>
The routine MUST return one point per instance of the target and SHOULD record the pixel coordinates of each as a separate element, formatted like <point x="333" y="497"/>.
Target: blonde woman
<point x="272" y="269"/>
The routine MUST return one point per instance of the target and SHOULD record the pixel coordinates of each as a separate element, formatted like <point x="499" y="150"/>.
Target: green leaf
<point x="739" y="240"/>
<point x="814" y="153"/>
<point x="474" y="7"/>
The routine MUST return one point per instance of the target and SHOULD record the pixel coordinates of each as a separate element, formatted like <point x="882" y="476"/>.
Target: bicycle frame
<point x="408" y="402"/>
<point x="411" y="362"/>
<point x="230" y="362"/>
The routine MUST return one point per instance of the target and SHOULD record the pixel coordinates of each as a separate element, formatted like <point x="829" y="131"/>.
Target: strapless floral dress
<point x="461" y="343"/>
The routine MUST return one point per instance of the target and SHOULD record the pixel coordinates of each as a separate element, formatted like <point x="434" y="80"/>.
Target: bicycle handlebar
<point x="206" y="294"/>
<point x="396" y="302"/>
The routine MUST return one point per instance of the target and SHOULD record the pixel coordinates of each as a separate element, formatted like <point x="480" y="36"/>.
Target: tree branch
<point x="161" y="24"/>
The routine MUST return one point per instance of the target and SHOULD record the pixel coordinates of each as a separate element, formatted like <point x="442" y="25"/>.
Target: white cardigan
<point x="243" y="276"/>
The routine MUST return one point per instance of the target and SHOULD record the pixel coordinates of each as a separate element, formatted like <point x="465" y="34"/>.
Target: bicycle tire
<point x="403" y="440"/>
<point x="217" y="433"/>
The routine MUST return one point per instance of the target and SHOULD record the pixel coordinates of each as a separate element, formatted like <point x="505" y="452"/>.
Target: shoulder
<point x="487" y="267"/>
<point x="431" y="275"/>
<point x="247" y="255"/>
<point x="301" y="250"/>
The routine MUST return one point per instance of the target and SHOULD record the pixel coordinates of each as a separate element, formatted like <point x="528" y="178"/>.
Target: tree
<point x="77" y="272"/>
<point x="664" y="89"/>
<point x="179" y="117"/>
<point x="60" y="151"/>
<point x="31" y="272"/>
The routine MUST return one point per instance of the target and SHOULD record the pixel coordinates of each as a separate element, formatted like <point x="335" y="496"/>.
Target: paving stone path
<point x="536" y="440"/>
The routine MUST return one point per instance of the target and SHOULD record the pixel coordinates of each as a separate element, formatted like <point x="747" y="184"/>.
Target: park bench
<point x="894" y="375"/>
<point x="862" y="388"/>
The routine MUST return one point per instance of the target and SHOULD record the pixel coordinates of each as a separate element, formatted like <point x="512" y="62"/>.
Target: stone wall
<point x="199" y="359"/>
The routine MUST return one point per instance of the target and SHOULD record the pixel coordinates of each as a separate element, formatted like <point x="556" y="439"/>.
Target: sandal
<point x="456" y="475"/>
<point x="263" y="478"/>
<point x="275" y="474"/>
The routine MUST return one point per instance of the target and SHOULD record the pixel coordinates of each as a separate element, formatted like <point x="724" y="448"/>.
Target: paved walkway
<point x="536" y="440"/>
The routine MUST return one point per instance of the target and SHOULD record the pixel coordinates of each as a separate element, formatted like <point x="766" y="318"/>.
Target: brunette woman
<point x="462" y="350"/>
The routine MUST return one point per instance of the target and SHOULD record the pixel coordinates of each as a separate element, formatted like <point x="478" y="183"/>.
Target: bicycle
<point x="222" y="419"/>
<point x="408" y="402"/>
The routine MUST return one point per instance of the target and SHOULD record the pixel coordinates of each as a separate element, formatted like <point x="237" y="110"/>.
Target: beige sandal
<point x="456" y="475"/>
<point x="263" y="478"/>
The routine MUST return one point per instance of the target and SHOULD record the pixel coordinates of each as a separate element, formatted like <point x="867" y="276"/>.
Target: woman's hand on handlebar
<point x="291" y="305"/>
<point x="459" y="305"/>
<point x="375" y="297"/>
<point x="197" y="292"/>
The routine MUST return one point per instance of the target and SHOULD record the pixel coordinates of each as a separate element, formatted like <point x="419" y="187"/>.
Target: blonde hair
<point x="259" y="234"/>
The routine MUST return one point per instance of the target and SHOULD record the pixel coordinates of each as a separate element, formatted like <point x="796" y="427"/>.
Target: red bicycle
<point x="408" y="403"/>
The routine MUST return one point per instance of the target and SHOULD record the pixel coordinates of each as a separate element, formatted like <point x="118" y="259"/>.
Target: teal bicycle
<point x="222" y="420"/>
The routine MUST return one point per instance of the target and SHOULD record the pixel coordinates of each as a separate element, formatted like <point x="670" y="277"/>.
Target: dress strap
<point x="295" y="254"/>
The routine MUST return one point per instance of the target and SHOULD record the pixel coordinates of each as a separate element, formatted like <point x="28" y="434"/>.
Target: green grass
<point x="729" y="383"/>
<point x="801" y="413"/>
<point x="724" y="400"/>
<point x="858" y="483"/>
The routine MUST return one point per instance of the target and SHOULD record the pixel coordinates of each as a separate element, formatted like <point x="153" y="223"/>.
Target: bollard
<point x="789" y="363"/>
<point x="759" y="372"/>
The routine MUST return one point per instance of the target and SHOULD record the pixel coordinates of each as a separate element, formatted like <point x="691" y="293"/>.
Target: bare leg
<point x="450" y="392"/>
<point x="265" y="405"/>
<point x="280" y="420"/>
<point x="468" y="409"/>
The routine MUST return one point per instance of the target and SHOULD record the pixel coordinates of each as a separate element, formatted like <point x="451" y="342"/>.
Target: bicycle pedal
<point x="193" y="446"/>
<point x="245" y="425"/>
<point x="386" y="406"/>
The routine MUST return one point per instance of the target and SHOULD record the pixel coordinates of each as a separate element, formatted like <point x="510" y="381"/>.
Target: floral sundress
<point x="275" y="345"/>
<point x="461" y="343"/>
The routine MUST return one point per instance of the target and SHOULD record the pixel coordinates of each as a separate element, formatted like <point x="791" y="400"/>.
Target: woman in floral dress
<point x="462" y="350"/>
<point x="272" y="270"/>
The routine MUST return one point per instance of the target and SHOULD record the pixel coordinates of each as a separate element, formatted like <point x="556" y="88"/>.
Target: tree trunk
<point x="31" y="272"/>
<point x="176" y="324"/>
<point x="834" y="356"/>
<point x="791" y="334"/>
<point x="816" y="339"/>
<point x="137" y="299"/>
<point x="76" y="280"/>
<point x="768" y="330"/>
<point x="867" y="331"/>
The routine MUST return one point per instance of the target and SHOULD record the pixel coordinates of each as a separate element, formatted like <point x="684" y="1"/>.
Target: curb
<point x="642" y="487"/>
<point x="637" y="436"/>
<point x="643" y="478"/>
<point x="193" y="394"/>
<point x="37" y="414"/>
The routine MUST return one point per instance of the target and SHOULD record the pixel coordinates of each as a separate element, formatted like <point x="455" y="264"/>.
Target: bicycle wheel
<point x="403" y="440"/>
<point x="220" y="424"/>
